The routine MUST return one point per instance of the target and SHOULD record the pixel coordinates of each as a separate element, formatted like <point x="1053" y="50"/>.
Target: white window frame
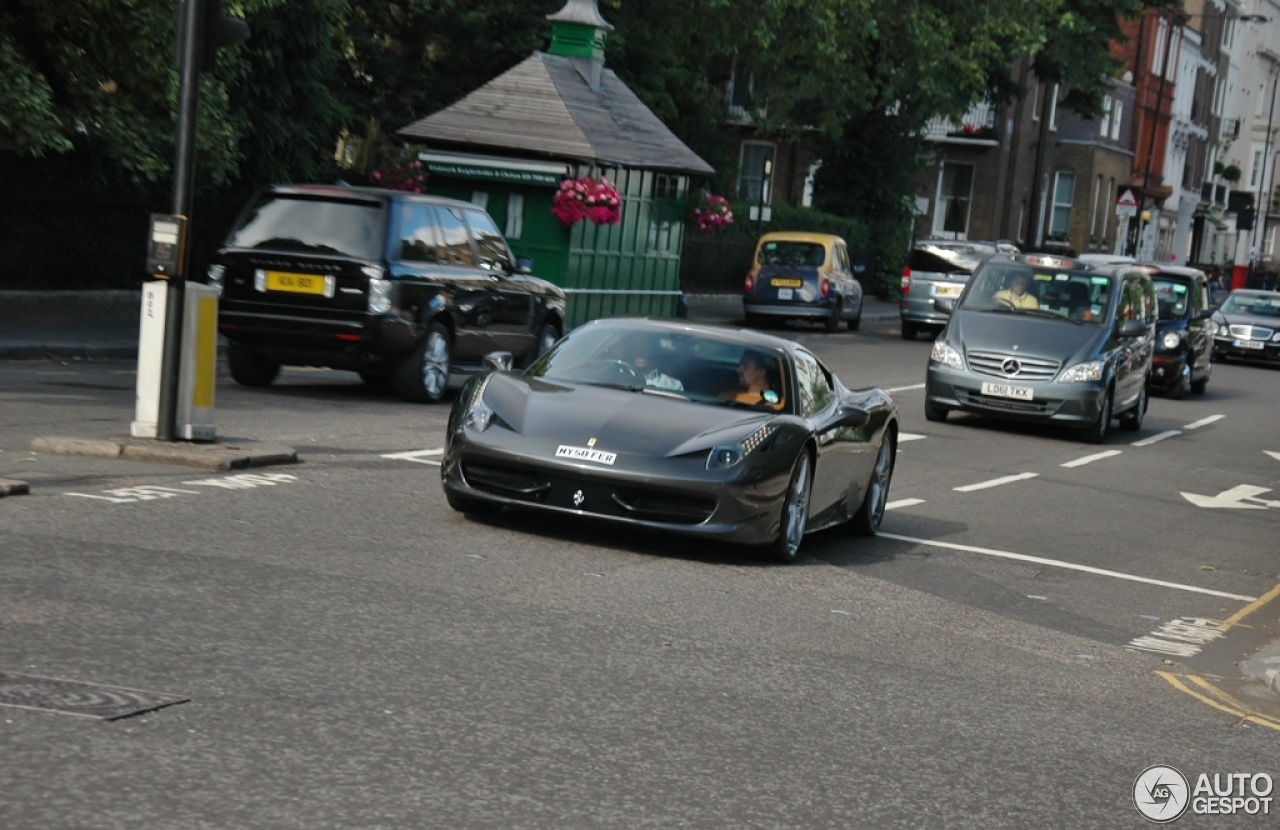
<point x="943" y="201"/>
<point x="1255" y="167"/>
<point x="1117" y="115"/>
<point x="1055" y="205"/>
<point x="515" y="216"/>
<point x="767" y="183"/>
<point x="1106" y="116"/>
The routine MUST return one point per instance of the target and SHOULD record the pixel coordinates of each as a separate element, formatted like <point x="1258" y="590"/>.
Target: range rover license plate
<point x="298" y="283"/>
<point x="1247" y="344"/>
<point x="1004" y="390"/>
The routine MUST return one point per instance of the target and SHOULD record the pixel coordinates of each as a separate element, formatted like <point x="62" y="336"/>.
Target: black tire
<point x="856" y="322"/>
<point x="909" y="330"/>
<point x="935" y="413"/>
<point x="1198" y="386"/>
<point x="795" y="510"/>
<point x="249" y="368"/>
<point x="471" y="506"/>
<point x="866" y="522"/>
<point x="832" y="323"/>
<point x="376" y="380"/>
<point x="1131" y="421"/>
<point x="1098" y="431"/>
<point x="423" y="377"/>
<point x="1181" y="387"/>
<point x="547" y="337"/>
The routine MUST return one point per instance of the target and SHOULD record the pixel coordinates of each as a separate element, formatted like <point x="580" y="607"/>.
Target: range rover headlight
<point x="731" y="455"/>
<point x="1171" y="340"/>
<point x="1082" y="372"/>
<point x="1223" y="331"/>
<point x="379" y="289"/>
<point x="945" y="354"/>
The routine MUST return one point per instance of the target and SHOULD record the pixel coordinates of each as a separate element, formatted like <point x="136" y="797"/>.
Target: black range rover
<point x="410" y="291"/>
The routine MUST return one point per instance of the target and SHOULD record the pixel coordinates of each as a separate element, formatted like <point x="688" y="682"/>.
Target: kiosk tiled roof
<point x="545" y="106"/>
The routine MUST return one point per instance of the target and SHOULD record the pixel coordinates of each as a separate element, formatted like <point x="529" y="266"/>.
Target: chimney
<point x="578" y="32"/>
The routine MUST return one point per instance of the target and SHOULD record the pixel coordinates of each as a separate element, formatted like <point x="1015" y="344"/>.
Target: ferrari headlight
<point x="731" y="455"/>
<point x="1171" y="340"/>
<point x="478" y="415"/>
<point x="1082" y="372"/>
<point x="945" y="354"/>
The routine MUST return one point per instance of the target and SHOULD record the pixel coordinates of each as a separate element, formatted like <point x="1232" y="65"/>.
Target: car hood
<point x="1237" y="319"/>
<point x="1059" y="340"/>
<point x="618" y="420"/>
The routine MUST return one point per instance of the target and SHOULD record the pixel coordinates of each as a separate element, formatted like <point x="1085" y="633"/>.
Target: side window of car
<point x="1126" y="311"/>
<point x="456" y="248"/>
<point x="815" y="390"/>
<point x="418" y="241"/>
<point x="490" y="244"/>
<point x="1147" y="291"/>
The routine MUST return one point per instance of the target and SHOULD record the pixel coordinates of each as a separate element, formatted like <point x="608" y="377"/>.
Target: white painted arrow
<point x="1273" y="454"/>
<point x="1235" y="498"/>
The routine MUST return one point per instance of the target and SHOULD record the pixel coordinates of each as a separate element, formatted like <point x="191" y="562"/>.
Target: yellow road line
<point x="1235" y="618"/>
<point x="1218" y="699"/>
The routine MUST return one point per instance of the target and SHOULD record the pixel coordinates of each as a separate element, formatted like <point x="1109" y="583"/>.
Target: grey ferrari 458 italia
<point x="700" y="430"/>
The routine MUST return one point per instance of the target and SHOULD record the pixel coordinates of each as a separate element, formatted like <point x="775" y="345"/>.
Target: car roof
<point x="1106" y="259"/>
<point x="1105" y="269"/>
<point x="800" y="236"/>
<point x="1154" y="268"/>
<point x="341" y="190"/>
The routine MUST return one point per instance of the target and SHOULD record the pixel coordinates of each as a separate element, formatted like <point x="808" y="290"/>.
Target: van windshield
<point x="1173" y="297"/>
<point x="1016" y="288"/>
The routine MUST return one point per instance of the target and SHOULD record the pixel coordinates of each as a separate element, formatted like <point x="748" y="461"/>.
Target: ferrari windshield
<point x="1080" y="297"/>
<point x="677" y="364"/>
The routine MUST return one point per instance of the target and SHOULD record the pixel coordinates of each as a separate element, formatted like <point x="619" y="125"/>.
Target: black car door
<point x="474" y="300"/>
<point x="511" y="326"/>
<point x="1200" y="329"/>
<point x="838" y="457"/>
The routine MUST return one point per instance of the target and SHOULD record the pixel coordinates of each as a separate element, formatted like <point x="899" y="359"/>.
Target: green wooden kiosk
<point x="561" y="114"/>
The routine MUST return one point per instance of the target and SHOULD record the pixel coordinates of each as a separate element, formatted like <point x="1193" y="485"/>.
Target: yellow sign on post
<point x="194" y="417"/>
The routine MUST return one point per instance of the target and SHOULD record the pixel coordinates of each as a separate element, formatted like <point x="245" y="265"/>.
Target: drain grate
<point x="87" y="700"/>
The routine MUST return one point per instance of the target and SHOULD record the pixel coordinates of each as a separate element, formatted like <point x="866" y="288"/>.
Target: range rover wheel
<point x="909" y="330"/>
<point x="1131" y="421"/>
<point x="423" y="377"/>
<point x="249" y="368"/>
<point x="1097" y="432"/>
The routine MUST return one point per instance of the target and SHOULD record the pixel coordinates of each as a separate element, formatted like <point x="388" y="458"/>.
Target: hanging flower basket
<point x="406" y="175"/>
<point x="587" y="197"/>
<point x="713" y="215"/>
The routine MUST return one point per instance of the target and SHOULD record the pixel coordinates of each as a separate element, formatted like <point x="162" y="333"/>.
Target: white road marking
<point x="416" y="456"/>
<point x="1183" y="637"/>
<point x="905" y="388"/>
<point x="910" y="436"/>
<point x="1204" y="422"/>
<point x="894" y="505"/>
<point x="1070" y="566"/>
<point x="1275" y="455"/>
<point x="1089" y="459"/>
<point x="995" y="482"/>
<point x="1235" y="498"/>
<point x="1146" y="442"/>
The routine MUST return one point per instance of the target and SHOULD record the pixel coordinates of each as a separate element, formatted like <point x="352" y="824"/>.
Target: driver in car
<point x="640" y="352"/>
<point x="1016" y="296"/>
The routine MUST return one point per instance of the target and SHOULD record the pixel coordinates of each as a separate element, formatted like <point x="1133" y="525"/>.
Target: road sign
<point x="1240" y="497"/>
<point x="1127" y="203"/>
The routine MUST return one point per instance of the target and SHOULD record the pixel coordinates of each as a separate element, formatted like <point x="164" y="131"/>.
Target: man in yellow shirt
<point x="1015" y="297"/>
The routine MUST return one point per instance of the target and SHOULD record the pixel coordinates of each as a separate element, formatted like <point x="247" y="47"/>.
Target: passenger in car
<point x="1016" y="296"/>
<point x="760" y="379"/>
<point x="1078" y="302"/>
<point x="641" y="353"/>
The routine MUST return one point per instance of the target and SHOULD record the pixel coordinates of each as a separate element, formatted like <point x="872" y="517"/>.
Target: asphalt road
<point x="358" y="655"/>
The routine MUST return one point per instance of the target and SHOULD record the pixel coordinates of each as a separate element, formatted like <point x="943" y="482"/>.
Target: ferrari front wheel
<point x="795" y="510"/>
<point x="866" y="522"/>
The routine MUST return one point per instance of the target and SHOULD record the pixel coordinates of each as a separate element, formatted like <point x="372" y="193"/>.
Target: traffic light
<point x="213" y="31"/>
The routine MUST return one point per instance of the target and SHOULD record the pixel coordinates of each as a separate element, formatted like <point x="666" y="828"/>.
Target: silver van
<point x="1047" y="338"/>
<point x="939" y="268"/>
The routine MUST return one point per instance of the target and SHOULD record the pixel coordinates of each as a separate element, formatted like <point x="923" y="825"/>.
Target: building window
<point x="1064" y="191"/>
<point x="1106" y="116"/>
<point x="752" y="180"/>
<point x="740" y="86"/>
<point x="515" y="216"/>
<point x="955" y="191"/>
<point x="1255" y="169"/>
<point x="1117" y="112"/>
<point x="481" y="198"/>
